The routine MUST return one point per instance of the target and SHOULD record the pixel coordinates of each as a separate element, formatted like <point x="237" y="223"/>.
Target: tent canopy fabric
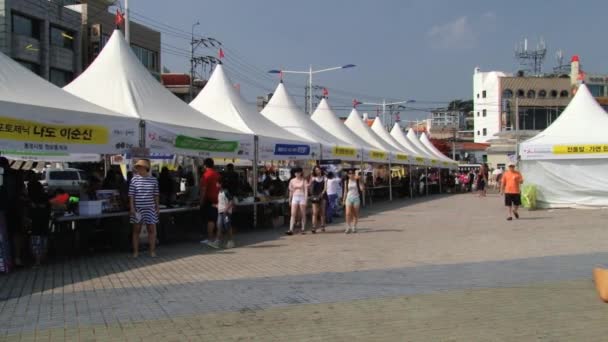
<point x="355" y="123"/>
<point x="424" y="139"/>
<point x="219" y="100"/>
<point x="420" y="156"/>
<point x="283" y="111"/>
<point x="378" y="128"/>
<point x="117" y="80"/>
<point x="39" y="119"/>
<point x="578" y="133"/>
<point x="413" y="139"/>
<point x="327" y="119"/>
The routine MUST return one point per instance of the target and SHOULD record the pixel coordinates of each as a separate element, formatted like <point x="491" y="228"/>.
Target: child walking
<point x="225" y="206"/>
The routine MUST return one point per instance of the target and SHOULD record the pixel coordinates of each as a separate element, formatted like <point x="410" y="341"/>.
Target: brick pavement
<point x="455" y="257"/>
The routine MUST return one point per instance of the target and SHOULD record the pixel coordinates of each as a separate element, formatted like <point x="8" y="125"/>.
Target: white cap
<point x="511" y="163"/>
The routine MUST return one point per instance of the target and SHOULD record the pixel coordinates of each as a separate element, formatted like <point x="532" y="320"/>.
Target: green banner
<point x="205" y="144"/>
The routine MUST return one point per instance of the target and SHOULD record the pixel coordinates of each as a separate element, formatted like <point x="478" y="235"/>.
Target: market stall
<point x="568" y="161"/>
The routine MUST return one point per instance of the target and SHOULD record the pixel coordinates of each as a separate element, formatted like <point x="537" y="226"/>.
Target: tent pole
<point x="255" y="180"/>
<point x="363" y="180"/>
<point x="426" y="181"/>
<point x="439" y="170"/>
<point x="390" y="182"/>
<point x="410" y="180"/>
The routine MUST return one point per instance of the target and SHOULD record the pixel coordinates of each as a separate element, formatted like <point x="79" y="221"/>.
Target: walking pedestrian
<point x="225" y="206"/>
<point x="482" y="180"/>
<point x="144" y="205"/>
<point x="471" y="179"/>
<point x="318" y="197"/>
<point x="333" y="192"/>
<point x="510" y="187"/>
<point x="208" y="193"/>
<point x="298" y="199"/>
<point x="39" y="214"/>
<point x="352" y="201"/>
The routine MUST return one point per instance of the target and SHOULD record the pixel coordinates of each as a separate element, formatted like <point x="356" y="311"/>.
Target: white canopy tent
<point x="327" y="119"/>
<point x="361" y="129"/>
<point x="413" y="139"/>
<point x="117" y="80"/>
<point x="421" y="157"/>
<point x="568" y="161"/>
<point x="378" y="128"/>
<point x="283" y="111"/>
<point x="220" y="101"/>
<point x="445" y="161"/>
<point x="40" y="121"/>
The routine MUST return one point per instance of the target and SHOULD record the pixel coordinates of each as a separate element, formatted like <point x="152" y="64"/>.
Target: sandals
<point x="289" y="232"/>
<point x="516" y="215"/>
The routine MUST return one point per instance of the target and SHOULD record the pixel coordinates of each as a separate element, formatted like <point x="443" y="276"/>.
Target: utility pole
<point x="192" y="62"/>
<point x="127" y="25"/>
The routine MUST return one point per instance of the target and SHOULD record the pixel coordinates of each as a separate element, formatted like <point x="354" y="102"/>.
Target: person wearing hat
<point x="144" y="205"/>
<point x="510" y="187"/>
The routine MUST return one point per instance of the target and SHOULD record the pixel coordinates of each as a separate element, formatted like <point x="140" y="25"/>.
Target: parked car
<point x="67" y="179"/>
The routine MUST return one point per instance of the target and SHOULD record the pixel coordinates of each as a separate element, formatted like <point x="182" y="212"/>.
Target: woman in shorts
<point x="352" y="201"/>
<point x="318" y="197"/>
<point x="298" y="197"/>
<point x="144" y="205"/>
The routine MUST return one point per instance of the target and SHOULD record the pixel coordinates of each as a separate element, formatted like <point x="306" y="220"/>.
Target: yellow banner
<point x="378" y="155"/>
<point x="433" y="161"/>
<point x="420" y="159"/>
<point x="340" y="151"/>
<point x="23" y="130"/>
<point x="580" y="149"/>
<point x="402" y="157"/>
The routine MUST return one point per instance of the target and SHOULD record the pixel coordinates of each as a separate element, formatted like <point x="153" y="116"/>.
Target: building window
<point x="564" y="93"/>
<point x="25" y="26"/>
<point x="35" y="68"/>
<point x="62" y="38"/>
<point x="485" y="132"/>
<point x="477" y="95"/>
<point x="531" y="94"/>
<point x="520" y="93"/>
<point x="596" y="90"/>
<point x="147" y="57"/>
<point x="483" y="94"/>
<point x="60" y="78"/>
<point x="477" y="114"/>
<point x="553" y="93"/>
<point x="542" y="93"/>
<point x="478" y="133"/>
<point x="485" y="112"/>
<point x="507" y="94"/>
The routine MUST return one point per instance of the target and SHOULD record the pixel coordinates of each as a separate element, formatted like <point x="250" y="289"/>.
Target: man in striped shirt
<point x="144" y="205"/>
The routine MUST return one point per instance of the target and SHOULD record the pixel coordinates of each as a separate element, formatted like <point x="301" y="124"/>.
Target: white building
<point x="486" y="104"/>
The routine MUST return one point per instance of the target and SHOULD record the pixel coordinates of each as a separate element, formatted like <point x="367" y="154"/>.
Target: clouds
<point x="460" y="33"/>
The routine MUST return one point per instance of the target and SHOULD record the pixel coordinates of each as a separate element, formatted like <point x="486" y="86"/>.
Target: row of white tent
<point x="116" y="105"/>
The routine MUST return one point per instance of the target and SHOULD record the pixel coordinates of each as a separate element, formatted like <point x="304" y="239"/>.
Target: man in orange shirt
<point x="509" y="185"/>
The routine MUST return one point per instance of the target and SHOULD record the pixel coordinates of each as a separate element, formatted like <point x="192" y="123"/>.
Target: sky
<point x="422" y="50"/>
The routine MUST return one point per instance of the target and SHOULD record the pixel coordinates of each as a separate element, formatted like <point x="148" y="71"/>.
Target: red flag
<point x="221" y="53"/>
<point x="119" y="19"/>
<point x="325" y="92"/>
<point x="356" y="103"/>
<point x="281" y="75"/>
<point x="398" y="117"/>
<point x="237" y="86"/>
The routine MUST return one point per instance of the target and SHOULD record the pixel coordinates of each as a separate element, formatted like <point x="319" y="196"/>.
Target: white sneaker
<point x="214" y="244"/>
<point x="205" y="242"/>
<point x="347" y="231"/>
<point x="354" y="230"/>
<point x="230" y="244"/>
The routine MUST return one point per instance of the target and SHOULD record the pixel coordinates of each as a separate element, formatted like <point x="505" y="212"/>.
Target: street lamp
<point x="384" y="104"/>
<point x="310" y="72"/>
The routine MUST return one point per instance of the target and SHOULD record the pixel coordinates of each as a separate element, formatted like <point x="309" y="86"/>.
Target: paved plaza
<point x="443" y="268"/>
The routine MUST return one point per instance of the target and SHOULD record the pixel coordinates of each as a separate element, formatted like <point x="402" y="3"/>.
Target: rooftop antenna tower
<point x="561" y="68"/>
<point x="531" y="59"/>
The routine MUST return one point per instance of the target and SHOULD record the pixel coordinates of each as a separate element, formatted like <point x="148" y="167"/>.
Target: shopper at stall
<point x="231" y="179"/>
<point x="298" y="197"/>
<point x="166" y="185"/>
<point x="208" y="193"/>
<point x="333" y="192"/>
<point x="352" y="201"/>
<point x="318" y="197"/>
<point x="39" y="215"/>
<point x="144" y="205"/>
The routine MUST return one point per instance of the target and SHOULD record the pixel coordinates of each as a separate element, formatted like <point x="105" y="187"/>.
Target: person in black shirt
<point x="231" y="179"/>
